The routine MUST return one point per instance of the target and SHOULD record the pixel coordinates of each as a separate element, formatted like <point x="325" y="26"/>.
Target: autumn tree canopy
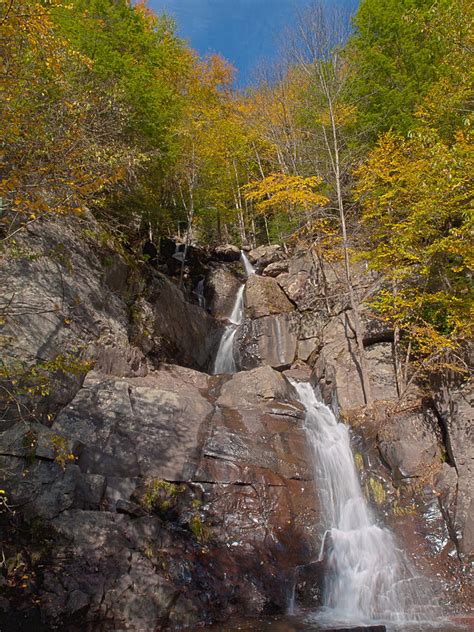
<point x="357" y="139"/>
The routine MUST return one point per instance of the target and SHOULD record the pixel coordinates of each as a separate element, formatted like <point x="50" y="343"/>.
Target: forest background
<point x="356" y="144"/>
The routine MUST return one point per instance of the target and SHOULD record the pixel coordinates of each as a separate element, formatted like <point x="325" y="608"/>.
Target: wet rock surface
<point x="221" y="288"/>
<point x="270" y="340"/>
<point x="154" y="496"/>
<point x="190" y="498"/>
<point x="456" y="481"/>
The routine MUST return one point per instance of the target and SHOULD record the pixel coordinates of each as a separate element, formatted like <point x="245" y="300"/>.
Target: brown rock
<point x="264" y="297"/>
<point x="409" y="444"/>
<point x="178" y="330"/>
<point x="227" y="252"/>
<point x="456" y="414"/>
<point x="276" y="268"/>
<point x="271" y="340"/>
<point x="222" y="288"/>
<point x="264" y="255"/>
<point x="337" y="369"/>
<point x="253" y="387"/>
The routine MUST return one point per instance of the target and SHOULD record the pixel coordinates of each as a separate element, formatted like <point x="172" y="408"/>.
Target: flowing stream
<point x="225" y="362"/>
<point x="367" y="577"/>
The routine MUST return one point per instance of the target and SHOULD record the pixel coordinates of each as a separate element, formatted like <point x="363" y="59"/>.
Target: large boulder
<point x="276" y="268"/>
<point x="409" y="443"/>
<point x="65" y="298"/>
<point x="264" y="297"/>
<point x="337" y="370"/>
<point x="172" y="328"/>
<point x="316" y="284"/>
<point x="221" y="290"/>
<point x="264" y="255"/>
<point x="72" y="301"/>
<point x="138" y="427"/>
<point x="270" y="340"/>
<point x="227" y="252"/>
<point x="259" y="462"/>
<point x="310" y="335"/>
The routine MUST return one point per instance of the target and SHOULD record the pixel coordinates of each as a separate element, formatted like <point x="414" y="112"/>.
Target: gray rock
<point x="222" y="287"/>
<point x="337" y="370"/>
<point x="270" y="340"/>
<point x="182" y="331"/>
<point x="263" y="297"/>
<point x="137" y="427"/>
<point x="254" y="387"/>
<point x="227" y="252"/>
<point x="456" y="492"/>
<point x="264" y="255"/>
<point x="64" y="300"/>
<point x="129" y="508"/>
<point x="409" y="444"/>
<point x="275" y="268"/>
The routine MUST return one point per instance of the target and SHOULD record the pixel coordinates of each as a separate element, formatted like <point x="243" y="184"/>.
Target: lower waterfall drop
<point x="368" y="579"/>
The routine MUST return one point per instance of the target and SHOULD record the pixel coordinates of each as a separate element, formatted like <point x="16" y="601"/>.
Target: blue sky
<point x="246" y="32"/>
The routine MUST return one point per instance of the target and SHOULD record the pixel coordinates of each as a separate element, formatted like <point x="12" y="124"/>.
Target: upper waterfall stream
<point x="225" y="362"/>
<point x="367" y="578"/>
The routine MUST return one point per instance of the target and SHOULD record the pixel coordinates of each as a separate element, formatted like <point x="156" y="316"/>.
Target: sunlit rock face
<point x="270" y="340"/>
<point x="456" y="479"/>
<point x="263" y="256"/>
<point x="264" y="297"/>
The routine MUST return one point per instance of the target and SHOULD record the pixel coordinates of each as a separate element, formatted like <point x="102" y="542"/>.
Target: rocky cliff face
<point x="416" y="454"/>
<point x="139" y="494"/>
<point x="142" y="493"/>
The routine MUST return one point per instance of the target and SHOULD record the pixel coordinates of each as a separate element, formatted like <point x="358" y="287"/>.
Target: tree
<point x="416" y="190"/>
<point x="399" y="50"/>
<point x="207" y="90"/>
<point x="416" y="196"/>
<point x="320" y="37"/>
<point x="61" y="135"/>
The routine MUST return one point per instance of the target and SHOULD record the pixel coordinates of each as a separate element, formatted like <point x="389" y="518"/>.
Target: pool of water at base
<point x="303" y="624"/>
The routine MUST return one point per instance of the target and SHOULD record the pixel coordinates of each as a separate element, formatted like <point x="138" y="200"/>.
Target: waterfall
<point x="225" y="362"/>
<point x="367" y="577"/>
<point x="199" y="292"/>
<point x="249" y="269"/>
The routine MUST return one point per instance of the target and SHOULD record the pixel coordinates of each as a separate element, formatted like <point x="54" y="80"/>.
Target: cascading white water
<point x="199" y="291"/>
<point x="368" y="578"/>
<point x="225" y="362"/>
<point x="249" y="269"/>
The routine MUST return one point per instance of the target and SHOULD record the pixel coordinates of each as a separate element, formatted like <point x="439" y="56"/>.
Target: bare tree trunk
<point x="320" y="38"/>
<point x="266" y="229"/>
<point x="190" y="218"/>
<point x="366" y="385"/>
<point x="243" y="234"/>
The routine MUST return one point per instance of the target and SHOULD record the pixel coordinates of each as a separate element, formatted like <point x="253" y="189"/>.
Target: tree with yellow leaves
<point x="415" y="190"/>
<point x="60" y="137"/>
<point x="416" y="195"/>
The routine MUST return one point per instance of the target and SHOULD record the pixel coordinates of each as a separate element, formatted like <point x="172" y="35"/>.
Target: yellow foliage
<point x="59" y="133"/>
<point x="416" y="195"/>
<point x="280" y="191"/>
